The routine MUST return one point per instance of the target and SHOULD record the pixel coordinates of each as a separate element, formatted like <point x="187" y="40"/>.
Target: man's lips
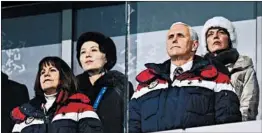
<point x="175" y="47"/>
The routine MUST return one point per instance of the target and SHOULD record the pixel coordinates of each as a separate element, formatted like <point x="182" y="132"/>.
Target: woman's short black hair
<point x="106" y="46"/>
<point x="67" y="78"/>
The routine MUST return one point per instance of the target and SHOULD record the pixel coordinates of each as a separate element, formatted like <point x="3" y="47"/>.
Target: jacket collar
<point x="185" y="67"/>
<point x="226" y="57"/>
<point x="232" y="59"/>
<point x="163" y="69"/>
<point x="110" y="79"/>
<point x="242" y="63"/>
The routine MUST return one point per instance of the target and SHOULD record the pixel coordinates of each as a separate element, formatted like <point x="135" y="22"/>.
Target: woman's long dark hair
<point x="67" y="78"/>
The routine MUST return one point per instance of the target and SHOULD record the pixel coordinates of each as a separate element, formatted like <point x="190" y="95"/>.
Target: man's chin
<point x="181" y="56"/>
<point x="175" y="54"/>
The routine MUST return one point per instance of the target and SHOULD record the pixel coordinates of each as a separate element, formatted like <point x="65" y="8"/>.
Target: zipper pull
<point x="43" y="107"/>
<point x="45" y="112"/>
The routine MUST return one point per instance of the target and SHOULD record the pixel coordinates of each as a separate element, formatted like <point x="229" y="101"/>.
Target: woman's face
<point x="217" y="39"/>
<point x="91" y="57"/>
<point x="49" y="78"/>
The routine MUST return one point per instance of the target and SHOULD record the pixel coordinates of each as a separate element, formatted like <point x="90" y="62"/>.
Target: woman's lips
<point x="47" y="80"/>
<point x="217" y="43"/>
<point x="88" y="62"/>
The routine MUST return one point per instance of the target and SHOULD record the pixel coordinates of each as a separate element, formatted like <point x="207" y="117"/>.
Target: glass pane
<point x="110" y="21"/>
<point x="25" y="41"/>
<point x="153" y="20"/>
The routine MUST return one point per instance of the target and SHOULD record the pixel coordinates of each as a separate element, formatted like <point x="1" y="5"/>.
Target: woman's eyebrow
<point x="94" y="47"/>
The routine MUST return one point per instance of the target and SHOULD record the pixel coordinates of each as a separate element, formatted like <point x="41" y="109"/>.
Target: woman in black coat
<point x="96" y="54"/>
<point x="56" y="107"/>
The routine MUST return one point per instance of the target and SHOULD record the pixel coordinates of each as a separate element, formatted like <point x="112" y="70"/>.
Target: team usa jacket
<point x="74" y="115"/>
<point x="198" y="97"/>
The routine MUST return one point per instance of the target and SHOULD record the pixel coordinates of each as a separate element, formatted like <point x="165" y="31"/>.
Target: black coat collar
<point x="110" y="79"/>
<point x="229" y="56"/>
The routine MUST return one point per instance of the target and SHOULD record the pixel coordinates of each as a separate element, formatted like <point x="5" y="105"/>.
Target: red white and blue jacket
<point x="198" y="97"/>
<point x="74" y="115"/>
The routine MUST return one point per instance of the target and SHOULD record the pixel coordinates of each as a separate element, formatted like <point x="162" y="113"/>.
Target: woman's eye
<point x="209" y="34"/>
<point x="42" y="72"/>
<point x="53" y="70"/>
<point x="94" y="50"/>
<point x="222" y="32"/>
<point x="82" y="52"/>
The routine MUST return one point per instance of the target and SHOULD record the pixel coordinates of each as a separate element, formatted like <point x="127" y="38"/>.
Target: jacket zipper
<point x="46" y="119"/>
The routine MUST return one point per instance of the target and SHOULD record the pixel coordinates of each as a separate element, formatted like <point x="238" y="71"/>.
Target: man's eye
<point x="170" y="37"/>
<point x="180" y="35"/>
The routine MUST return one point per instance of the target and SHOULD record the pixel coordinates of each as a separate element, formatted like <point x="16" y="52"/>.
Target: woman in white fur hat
<point x="219" y="40"/>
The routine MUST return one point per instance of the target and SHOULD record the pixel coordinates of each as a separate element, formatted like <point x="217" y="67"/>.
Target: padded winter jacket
<point x="244" y="80"/>
<point x="73" y="116"/>
<point x="198" y="97"/>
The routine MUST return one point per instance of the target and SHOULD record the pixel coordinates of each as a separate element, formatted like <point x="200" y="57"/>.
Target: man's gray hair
<point x="192" y="32"/>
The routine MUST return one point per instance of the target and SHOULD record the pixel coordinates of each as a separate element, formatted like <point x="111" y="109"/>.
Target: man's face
<point x="179" y="42"/>
<point x="217" y="39"/>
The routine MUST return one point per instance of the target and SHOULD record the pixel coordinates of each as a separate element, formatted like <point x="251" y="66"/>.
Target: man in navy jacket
<point x="184" y="91"/>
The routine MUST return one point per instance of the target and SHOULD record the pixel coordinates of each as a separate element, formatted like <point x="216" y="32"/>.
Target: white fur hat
<point x="222" y="22"/>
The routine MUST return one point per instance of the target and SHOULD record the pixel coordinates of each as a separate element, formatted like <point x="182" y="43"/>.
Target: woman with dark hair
<point x="56" y="107"/>
<point x="219" y="40"/>
<point x="96" y="54"/>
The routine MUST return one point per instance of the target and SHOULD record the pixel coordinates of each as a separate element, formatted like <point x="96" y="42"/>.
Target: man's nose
<point x="175" y="39"/>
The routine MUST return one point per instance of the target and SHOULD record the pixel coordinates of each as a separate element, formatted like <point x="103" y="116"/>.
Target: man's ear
<point x="195" y="45"/>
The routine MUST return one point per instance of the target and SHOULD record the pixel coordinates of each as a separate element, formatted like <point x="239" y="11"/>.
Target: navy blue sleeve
<point x="227" y="107"/>
<point x="134" y="117"/>
<point x="90" y="125"/>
